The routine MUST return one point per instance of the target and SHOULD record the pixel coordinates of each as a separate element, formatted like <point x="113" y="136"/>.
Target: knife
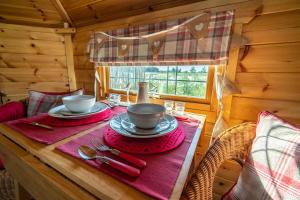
<point x="38" y="124"/>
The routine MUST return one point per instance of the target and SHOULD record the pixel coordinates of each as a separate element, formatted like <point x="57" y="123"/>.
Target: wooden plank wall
<point x="268" y="76"/>
<point x="31" y="58"/>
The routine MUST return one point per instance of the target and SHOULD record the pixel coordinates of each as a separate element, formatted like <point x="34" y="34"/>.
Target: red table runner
<point x="158" y="178"/>
<point x="62" y="128"/>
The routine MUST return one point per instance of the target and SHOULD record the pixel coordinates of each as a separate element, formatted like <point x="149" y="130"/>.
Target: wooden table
<point x="47" y="173"/>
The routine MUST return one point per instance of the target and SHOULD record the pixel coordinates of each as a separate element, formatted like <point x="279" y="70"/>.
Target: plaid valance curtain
<point x="203" y="39"/>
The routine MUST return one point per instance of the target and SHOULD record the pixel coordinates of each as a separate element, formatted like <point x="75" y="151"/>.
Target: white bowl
<point x="145" y="115"/>
<point x="79" y="103"/>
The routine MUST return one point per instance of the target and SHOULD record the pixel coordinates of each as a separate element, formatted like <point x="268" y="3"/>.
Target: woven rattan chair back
<point x="231" y="144"/>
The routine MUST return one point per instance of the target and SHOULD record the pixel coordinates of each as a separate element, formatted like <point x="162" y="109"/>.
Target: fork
<point x="133" y="160"/>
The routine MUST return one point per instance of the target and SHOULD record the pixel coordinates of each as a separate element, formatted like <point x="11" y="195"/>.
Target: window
<point x="185" y="82"/>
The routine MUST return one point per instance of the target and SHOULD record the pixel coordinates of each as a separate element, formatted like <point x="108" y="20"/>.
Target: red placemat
<point x="158" y="178"/>
<point x="62" y="128"/>
<point x="144" y="146"/>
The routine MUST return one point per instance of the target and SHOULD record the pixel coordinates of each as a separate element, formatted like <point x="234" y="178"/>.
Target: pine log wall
<point x="269" y="75"/>
<point x="31" y="58"/>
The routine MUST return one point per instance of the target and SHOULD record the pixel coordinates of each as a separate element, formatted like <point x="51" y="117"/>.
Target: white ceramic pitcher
<point x="142" y="96"/>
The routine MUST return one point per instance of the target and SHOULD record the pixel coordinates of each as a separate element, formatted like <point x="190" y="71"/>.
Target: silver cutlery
<point x="129" y="158"/>
<point x="38" y="125"/>
<point x="89" y="153"/>
<point x="110" y="105"/>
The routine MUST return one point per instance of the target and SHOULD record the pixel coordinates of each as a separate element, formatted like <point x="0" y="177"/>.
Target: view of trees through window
<point x="170" y="80"/>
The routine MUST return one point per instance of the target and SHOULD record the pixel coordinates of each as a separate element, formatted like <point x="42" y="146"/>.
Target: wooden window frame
<point x="104" y="75"/>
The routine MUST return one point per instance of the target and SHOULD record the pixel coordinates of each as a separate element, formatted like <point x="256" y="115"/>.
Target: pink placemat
<point x="158" y="178"/>
<point x="144" y="146"/>
<point x="63" y="128"/>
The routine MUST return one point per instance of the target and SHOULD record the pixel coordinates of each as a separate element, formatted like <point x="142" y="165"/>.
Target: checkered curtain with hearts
<point x="203" y="39"/>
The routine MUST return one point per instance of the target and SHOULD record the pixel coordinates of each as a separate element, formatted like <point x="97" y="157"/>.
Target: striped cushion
<point x="41" y="102"/>
<point x="272" y="169"/>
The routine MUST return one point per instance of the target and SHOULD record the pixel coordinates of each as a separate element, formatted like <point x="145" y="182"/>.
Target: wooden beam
<point x="61" y="10"/>
<point x="65" y="30"/>
<point x="70" y="61"/>
<point x="231" y="69"/>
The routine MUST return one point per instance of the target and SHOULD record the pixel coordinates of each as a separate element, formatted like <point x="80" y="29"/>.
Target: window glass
<point x="169" y="80"/>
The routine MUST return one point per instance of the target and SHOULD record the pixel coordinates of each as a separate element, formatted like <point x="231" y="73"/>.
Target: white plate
<point x="63" y="113"/>
<point x="129" y="126"/>
<point x="116" y="125"/>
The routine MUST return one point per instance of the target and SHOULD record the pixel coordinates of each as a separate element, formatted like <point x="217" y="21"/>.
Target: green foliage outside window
<point x="171" y="80"/>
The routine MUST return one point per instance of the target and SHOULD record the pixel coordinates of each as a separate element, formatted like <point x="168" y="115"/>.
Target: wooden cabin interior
<point x="45" y="46"/>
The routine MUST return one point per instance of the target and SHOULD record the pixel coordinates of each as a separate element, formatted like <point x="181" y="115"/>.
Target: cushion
<point x="272" y="169"/>
<point x="12" y="110"/>
<point x="42" y="102"/>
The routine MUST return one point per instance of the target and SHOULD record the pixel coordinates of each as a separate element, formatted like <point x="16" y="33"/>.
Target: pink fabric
<point x="11" y="111"/>
<point x="273" y="164"/>
<point x="142" y="146"/>
<point x="62" y="130"/>
<point x="158" y="178"/>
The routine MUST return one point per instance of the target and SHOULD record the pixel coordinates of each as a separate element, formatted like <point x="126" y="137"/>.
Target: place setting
<point x="77" y="113"/>
<point x="134" y="144"/>
<point x="77" y="107"/>
<point x="144" y="121"/>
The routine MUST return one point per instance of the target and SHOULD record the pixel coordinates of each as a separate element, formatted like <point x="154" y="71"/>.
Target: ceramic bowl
<point x="79" y="103"/>
<point x="145" y="115"/>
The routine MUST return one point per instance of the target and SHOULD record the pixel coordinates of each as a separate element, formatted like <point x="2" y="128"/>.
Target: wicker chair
<point x="7" y="186"/>
<point x="231" y="144"/>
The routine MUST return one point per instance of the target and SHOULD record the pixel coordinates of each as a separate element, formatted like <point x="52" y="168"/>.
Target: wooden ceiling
<point x="91" y="11"/>
<point x="53" y="13"/>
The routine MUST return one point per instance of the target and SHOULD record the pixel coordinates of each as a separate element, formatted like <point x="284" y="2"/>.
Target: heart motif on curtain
<point x="124" y="46"/>
<point x="199" y="27"/>
<point x="99" y="40"/>
<point x="156" y="43"/>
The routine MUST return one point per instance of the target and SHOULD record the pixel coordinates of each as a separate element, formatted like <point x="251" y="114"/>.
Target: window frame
<point x="104" y="75"/>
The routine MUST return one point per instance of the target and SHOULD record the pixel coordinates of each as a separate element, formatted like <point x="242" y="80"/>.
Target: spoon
<point x="88" y="153"/>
